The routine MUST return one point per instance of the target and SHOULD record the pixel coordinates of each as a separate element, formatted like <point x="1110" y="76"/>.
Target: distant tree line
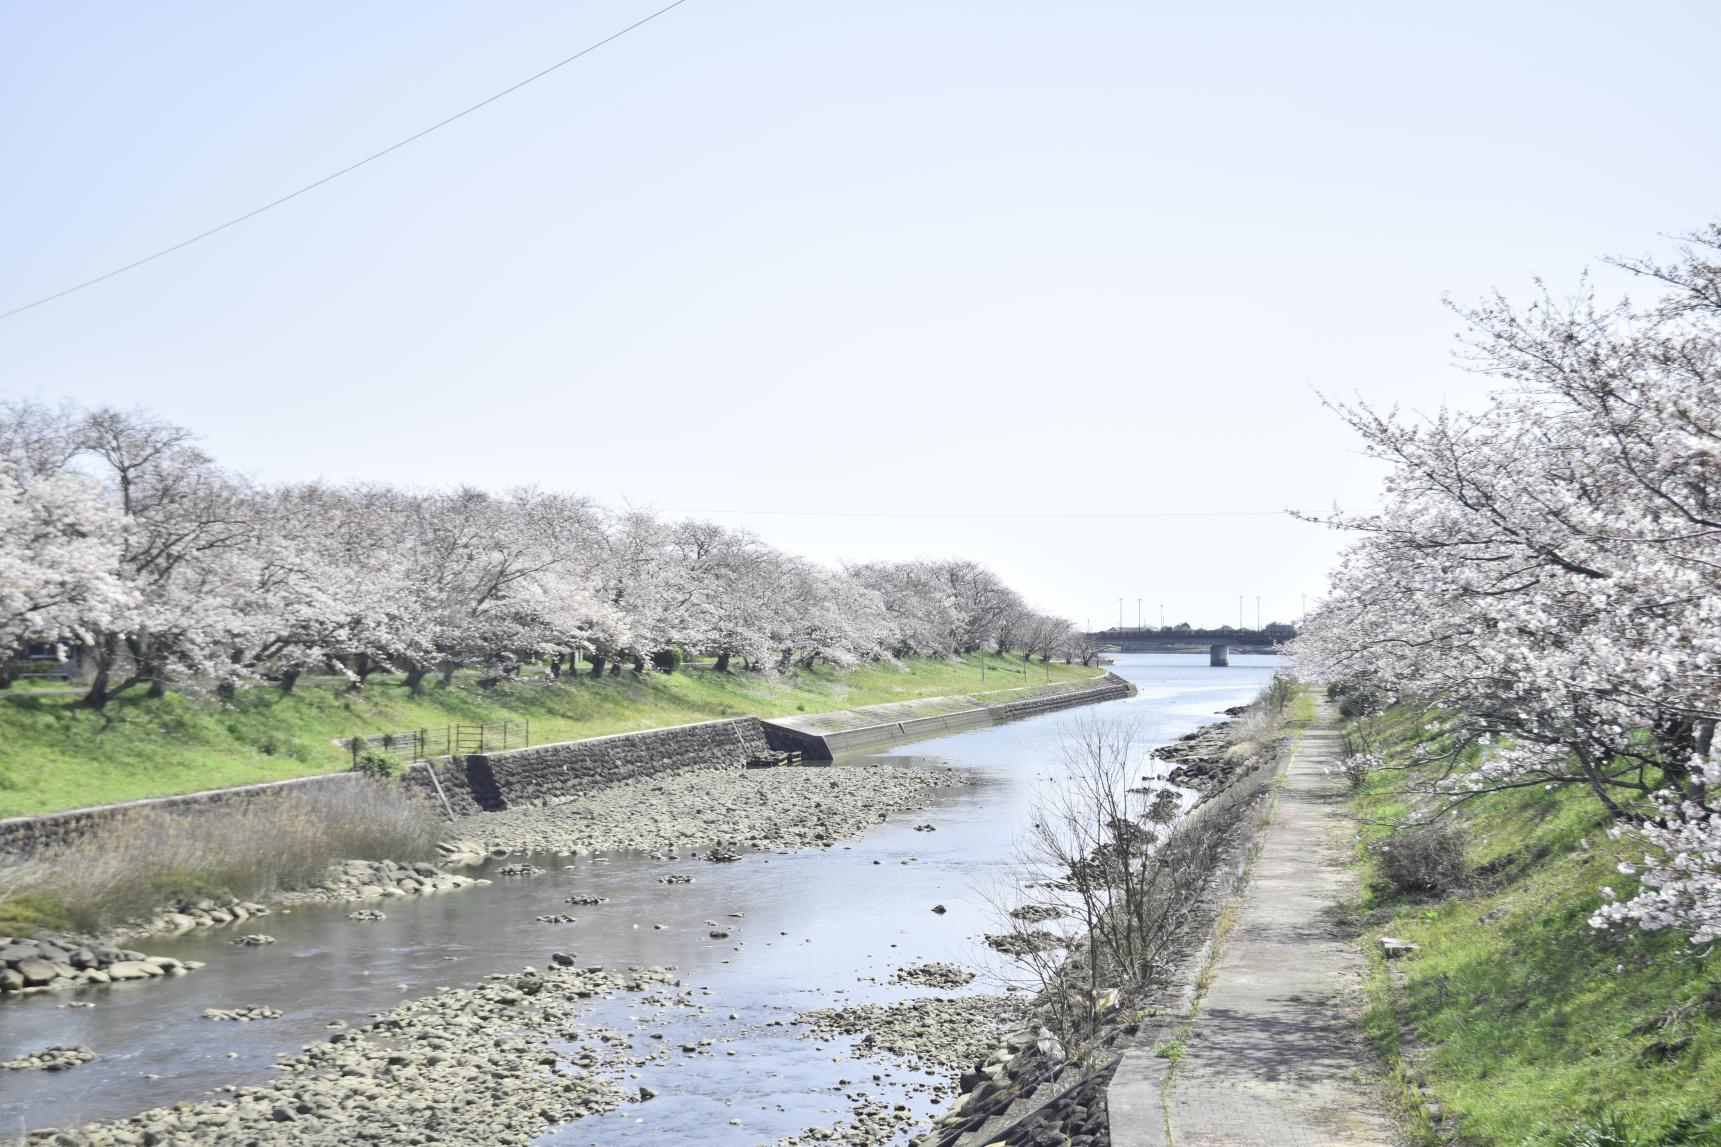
<point x="121" y="537"/>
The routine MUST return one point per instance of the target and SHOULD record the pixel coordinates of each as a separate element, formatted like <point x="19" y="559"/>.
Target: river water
<point x="817" y="928"/>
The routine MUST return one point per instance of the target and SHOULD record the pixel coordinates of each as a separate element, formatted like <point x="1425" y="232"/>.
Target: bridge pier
<point x="1219" y="655"/>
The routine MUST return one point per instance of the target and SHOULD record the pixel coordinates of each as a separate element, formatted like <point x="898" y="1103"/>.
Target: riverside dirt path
<point x="1274" y="1055"/>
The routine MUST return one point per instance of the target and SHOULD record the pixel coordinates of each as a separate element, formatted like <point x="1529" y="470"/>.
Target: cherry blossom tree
<point x="60" y="544"/>
<point x="1548" y="571"/>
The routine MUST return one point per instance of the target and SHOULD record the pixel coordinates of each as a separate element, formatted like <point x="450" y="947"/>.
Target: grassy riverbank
<point x="1526" y="1025"/>
<point x="54" y="755"/>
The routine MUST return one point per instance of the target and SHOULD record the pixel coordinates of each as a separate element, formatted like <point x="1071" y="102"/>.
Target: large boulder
<point x="132" y="970"/>
<point x="37" y="972"/>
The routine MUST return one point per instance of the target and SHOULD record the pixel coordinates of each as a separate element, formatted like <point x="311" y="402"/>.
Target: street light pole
<point x="1138" y="613"/>
<point x="1239" y="611"/>
<point x="1257" y="611"/>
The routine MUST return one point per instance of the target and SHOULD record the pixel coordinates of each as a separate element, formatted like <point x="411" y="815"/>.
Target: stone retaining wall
<point x="544" y="773"/>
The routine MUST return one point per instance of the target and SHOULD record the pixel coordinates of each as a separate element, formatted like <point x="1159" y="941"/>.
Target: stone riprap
<point x="824" y="735"/>
<point x="1077" y="1116"/>
<point x="39" y="964"/>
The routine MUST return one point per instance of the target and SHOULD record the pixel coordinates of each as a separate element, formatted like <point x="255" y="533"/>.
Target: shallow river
<point x="818" y="928"/>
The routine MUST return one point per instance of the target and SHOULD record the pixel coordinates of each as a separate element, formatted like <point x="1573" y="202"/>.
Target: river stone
<point x="10" y="980"/>
<point x="36" y="971"/>
<point x="131" y="970"/>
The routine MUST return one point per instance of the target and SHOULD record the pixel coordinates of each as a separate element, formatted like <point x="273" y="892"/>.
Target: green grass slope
<point x="1527" y="1025"/>
<point x="55" y="755"/>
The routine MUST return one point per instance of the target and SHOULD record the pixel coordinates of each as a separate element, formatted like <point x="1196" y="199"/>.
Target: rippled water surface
<point x="817" y="928"/>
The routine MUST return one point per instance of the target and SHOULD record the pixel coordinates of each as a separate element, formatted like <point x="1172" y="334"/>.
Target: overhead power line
<point x="351" y="167"/>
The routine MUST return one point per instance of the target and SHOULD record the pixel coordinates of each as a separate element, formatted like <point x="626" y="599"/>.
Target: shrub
<point x="379" y="766"/>
<point x="1358" y="766"/>
<point x="666" y="660"/>
<point x="1423" y="861"/>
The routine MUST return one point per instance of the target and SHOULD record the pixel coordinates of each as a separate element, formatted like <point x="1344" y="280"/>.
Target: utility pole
<point x="1120" y="614"/>
<point x="1304" y="612"/>
<point x="1138" y="613"/>
<point x="1257" y="611"/>
<point x="1162" y="615"/>
<point x="1239" y="611"/>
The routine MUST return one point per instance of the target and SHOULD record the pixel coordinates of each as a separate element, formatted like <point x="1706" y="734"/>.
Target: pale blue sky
<point x="884" y="256"/>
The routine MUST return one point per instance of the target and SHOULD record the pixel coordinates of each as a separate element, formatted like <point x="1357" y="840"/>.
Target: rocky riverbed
<point x="755" y="809"/>
<point x="930" y="1032"/>
<point x="485" y="1064"/>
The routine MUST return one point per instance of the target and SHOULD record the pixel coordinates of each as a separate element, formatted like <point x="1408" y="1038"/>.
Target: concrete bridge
<point x="1182" y="639"/>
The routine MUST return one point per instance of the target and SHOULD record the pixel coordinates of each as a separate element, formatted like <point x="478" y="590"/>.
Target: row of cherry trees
<point x="1548" y="572"/>
<point x="120" y="536"/>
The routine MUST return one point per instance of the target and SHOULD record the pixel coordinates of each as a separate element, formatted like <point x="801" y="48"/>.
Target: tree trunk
<point x="102" y="654"/>
<point x="598" y="660"/>
<point x="289" y="679"/>
<point x="555" y="666"/>
<point x="615" y="668"/>
<point x="638" y="665"/>
<point x="722" y="665"/>
<point x="415" y="675"/>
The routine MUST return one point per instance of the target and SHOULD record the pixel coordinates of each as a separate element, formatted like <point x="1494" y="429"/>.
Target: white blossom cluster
<point x="119" y="537"/>
<point x="1550" y="568"/>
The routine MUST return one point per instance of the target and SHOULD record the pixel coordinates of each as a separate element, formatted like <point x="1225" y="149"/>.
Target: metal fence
<point x="444" y="741"/>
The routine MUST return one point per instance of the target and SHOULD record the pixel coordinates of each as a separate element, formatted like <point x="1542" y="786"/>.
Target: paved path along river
<point x="1274" y="1056"/>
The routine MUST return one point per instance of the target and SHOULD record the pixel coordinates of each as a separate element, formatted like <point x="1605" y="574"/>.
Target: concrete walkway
<point x="1274" y="1055"/>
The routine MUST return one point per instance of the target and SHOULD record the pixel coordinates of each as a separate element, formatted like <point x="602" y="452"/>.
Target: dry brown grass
<point x="248" y="849"/>
<point x="1262" y="723"/>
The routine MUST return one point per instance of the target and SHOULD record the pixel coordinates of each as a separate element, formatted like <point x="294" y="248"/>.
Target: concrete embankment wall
<point x="807" y="735"/>
<point x="23" y="835"/>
